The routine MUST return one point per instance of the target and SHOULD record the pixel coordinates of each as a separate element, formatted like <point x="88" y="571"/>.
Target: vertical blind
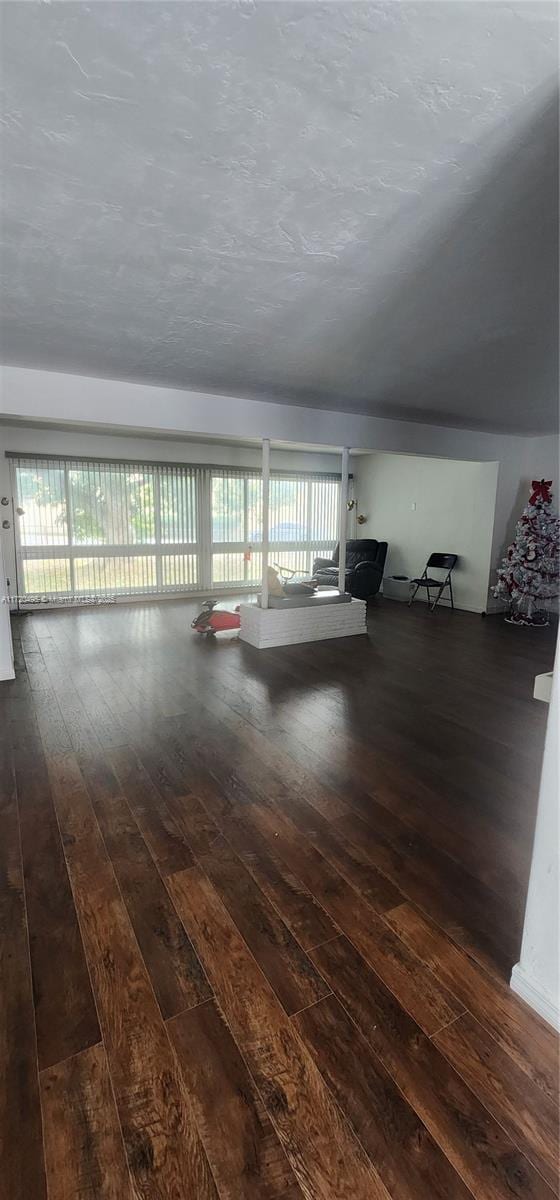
<point x="98" y="528"/>
<point x="303" y="523"/>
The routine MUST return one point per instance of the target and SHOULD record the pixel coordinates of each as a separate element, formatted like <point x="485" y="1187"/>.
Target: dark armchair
<point x="365" y="560"/>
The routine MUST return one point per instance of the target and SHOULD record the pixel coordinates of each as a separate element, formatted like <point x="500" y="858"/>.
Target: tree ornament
<point x="541" y="490"/>
<point x="529" y="574"/>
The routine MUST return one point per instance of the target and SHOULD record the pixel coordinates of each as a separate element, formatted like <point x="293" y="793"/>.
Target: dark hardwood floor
<point x="259" y="911"/>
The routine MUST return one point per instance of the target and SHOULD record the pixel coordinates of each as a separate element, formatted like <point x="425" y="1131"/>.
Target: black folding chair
<point x="442" y="562"/>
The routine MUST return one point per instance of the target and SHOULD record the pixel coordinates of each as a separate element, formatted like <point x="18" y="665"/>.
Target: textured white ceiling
<point x="343" y="205"/>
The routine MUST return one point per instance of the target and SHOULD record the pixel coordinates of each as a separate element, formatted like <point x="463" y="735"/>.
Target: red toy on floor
<point x="211" y="621"/>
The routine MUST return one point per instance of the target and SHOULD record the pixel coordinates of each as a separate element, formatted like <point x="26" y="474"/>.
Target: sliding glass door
<point x="303" y="523"/>
<point x="236" y="506"/>
<point x="99" y="529"/>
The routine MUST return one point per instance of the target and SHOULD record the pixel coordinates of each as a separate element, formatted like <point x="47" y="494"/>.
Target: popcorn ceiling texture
<point x="342" y="205"/>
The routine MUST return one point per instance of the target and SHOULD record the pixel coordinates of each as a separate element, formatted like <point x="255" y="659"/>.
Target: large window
<point x="100" y="529"/>
<point x="109" y="528"/>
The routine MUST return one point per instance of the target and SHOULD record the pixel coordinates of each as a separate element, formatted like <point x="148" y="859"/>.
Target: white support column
<point x="204" y="529"/>
<point x="265" y="508"/>
<point x="343" y="522"/>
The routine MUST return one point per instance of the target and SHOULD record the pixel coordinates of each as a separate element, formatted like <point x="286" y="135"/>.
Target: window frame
<point x="203" y="550"/>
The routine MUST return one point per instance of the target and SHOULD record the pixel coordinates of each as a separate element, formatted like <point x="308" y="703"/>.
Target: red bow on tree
<point x="541" y="491"/>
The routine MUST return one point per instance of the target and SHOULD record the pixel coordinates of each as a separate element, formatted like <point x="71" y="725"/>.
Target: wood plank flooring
<point x="258" y="912"/>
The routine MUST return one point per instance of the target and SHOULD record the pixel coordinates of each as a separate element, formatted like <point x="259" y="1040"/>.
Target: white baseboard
<point x="534" y="997"/>
<point x="404" y="597"/>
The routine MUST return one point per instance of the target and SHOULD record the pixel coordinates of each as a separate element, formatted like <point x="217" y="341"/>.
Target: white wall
<point x="453" y="512"/>
<point x="6" y="652"/>
<point x="536" y="977"/>
<point x="61" y="397"/>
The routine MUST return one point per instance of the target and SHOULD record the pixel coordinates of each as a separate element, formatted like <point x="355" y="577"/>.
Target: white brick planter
<point x="263" y="627"/>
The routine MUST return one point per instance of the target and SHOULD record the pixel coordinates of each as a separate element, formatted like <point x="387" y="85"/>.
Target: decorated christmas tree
<point x="529" y="574"/>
